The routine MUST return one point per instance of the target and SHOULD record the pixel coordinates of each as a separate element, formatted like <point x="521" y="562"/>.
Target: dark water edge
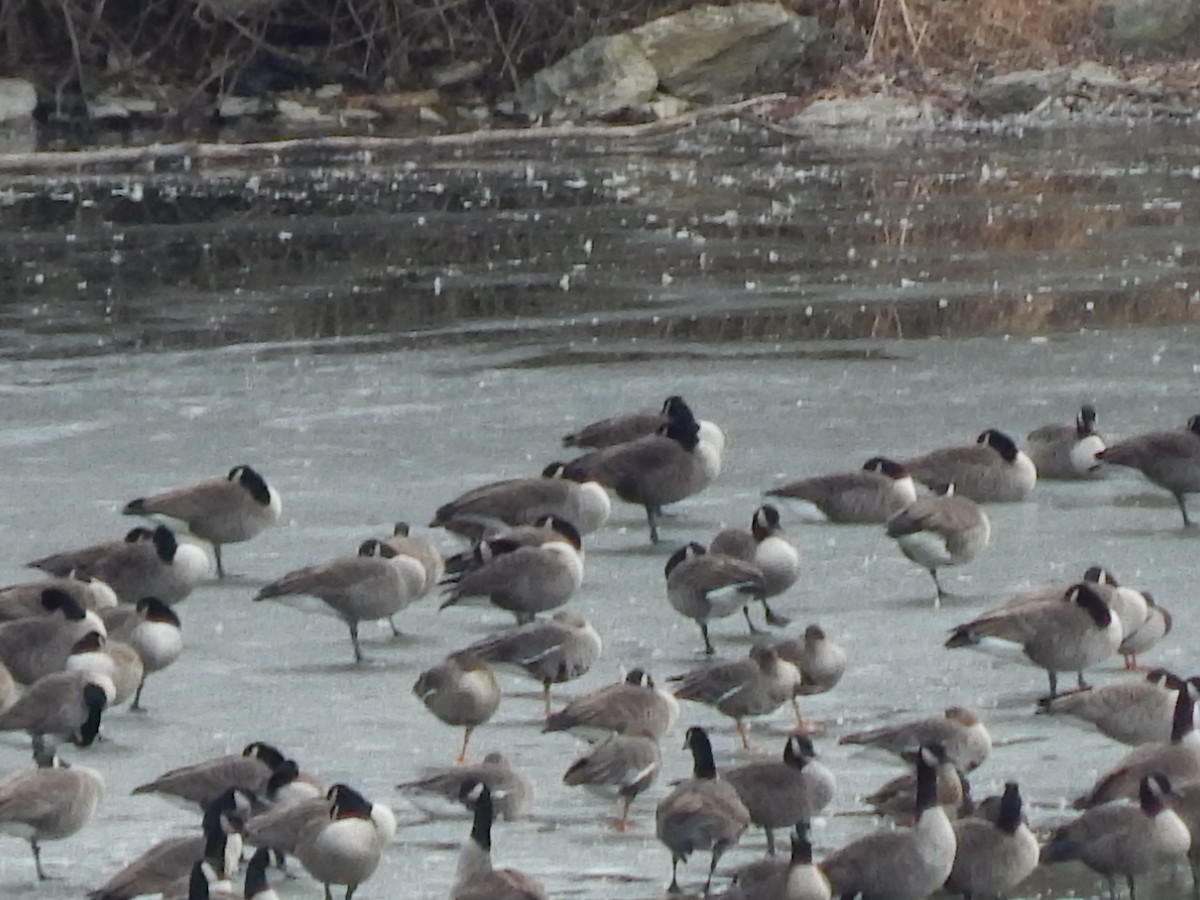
<point x="725" y="234"/>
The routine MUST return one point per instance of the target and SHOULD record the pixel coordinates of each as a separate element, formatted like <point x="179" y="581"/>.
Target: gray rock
<point x="871" y="112"/>
<point x="18" y="99"/>
<point x="603" y="77"/>
<point x="233" y="107"/>
<point x="713" y="52"/>
<point x="1148" y="24"/>
<point x="1020" y="92"/>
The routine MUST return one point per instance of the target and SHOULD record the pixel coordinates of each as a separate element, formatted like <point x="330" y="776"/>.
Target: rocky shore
<point x="816" y="78"/>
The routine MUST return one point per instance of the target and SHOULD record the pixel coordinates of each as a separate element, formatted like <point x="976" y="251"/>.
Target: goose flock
<point x="511" y="556"/>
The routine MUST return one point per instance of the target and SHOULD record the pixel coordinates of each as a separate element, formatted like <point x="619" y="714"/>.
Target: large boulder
<point x="1149" y="24"/>
<point x="714" y="52"/>
<point x="707" y="53"/>
<point x="1020" y="92"/>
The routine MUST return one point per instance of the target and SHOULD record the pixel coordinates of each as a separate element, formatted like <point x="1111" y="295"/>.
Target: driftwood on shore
<point x="187" y="154"/>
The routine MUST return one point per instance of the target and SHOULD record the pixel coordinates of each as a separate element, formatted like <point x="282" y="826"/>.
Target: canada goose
<point x="375" y="584"/>
<point x="525" y="580"/>
<point x="165" y="865"/>
<point x="1124" y="839"/>
<point x="677" y="461"/>
<point x="256" y="885"/>
<point x="281" y="829"/>
<point x="153" y="629"/>
<point x="633" y="706"/>
<point x="19" y="601"/>
<point x="766" y="546"/>
<point x="1133" y="711"/>
<point x="97" y="655"/>
<point x="940" y="531"/>
<point x="821" y="661"/>
<point x="783" y="793"/>
<point x="475" y="878"/>
<point x="1178" y="759"/>
<point x="1170" y="459"/>
<point x="405" y="543"/>
<point x="485" y="510"/>
<point x="1067" y="452"/>
<point x="701" y="813"/>
<point x="1185" y="801"/>
<point x="618" y="429"/>
<point x="776" y="879"/>
<point x="1067" y="635"/>
<point x="992" y="858"/>
<point x="37" y="646"/>
<point x="221" y="511"/>
<point x="1158" y="625"/>
<point x="346" y="849"/>
<point x="905" y="864"/>
<point x="62" y="706"/>
<point x="895" y="798"/>
<point x="461" y="691"/>
<point x="148" y="563"/>
<point x="537" y="533"/>
<point x="992" y="470"/>
<point x="961" y="734"/>
<point x="628" y="762"/>
<point x="704" y="586"/>
<point x="551" y="651"/>
<point x="511" y="789"/>
<point x="48" y="804"/>
<point x="754" y="686"/>
<point x="870" y="495"/>
<point x="202" y="783"/>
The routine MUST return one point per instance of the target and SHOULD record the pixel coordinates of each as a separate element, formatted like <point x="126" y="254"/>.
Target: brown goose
<point x="200" y="784"/>
<point x="1067" y="452"/>
<point x="755" y="686"/>
<point x="704" y="586"/>
<point x="940" y="531"/>
<point x="961" y="734"/>
<point x="765" y="545"/>
<point x="512" y="790"/>
<point x="461" y="691"/>
<point x="628" y="762"/>
<point x="992" y="470"/>
<point x="632" y="706"/>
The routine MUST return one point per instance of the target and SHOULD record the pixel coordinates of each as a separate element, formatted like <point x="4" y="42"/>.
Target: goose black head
<point x="1090" y="602"/>
<point x="253" y="483"/>
<point x="888" y="467"/>
<point x="1000" y="442"/>
<point x="554" y="470"/>
<point x="1085" y="422"/>
<point x="165" y="543"/>
<point x="154" y="610"/>
<point x="765" y="521"/>
<point x="686" y="552"/>
<point x="639" y="678"/>
<point x="55" y="600"/>
<point x="1193" y="424"/>
<point x="266" y="753"/>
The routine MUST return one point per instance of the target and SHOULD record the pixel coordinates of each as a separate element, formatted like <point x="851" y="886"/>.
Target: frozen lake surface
<point x="369" y="392"/>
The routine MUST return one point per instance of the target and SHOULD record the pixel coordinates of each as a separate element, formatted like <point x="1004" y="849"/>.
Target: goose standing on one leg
<point x="765" y="545"/>
<point x="940" y="531"/>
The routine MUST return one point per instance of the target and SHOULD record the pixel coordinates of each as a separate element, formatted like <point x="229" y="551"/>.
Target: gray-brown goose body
<point x="1178" y="759"/>
<point x="771" y="878"/>
<point x="20" y="601"/>
<point x="1067" y="452"/>
<point x="941" y="531"/>
<point x="820" y="659"/>
<point x="962" y="735"/>
<point x="754" y="686"/>
<point x="404" y="543"/>
<point x="48" y="804"/>
<point x="550" y="651"/>
<point x="992" y="470"/>
<point x="703" y="586"/>
<point x="993" y="857"/>
<point x="901" y="864"/>
<point x="619" y="429"/>
<point x="656" y="470"/>
<point x="870" y="495"/>
<point x="766" y="546"/>
<point x="475" y="877"/>
<point x="1169" y="459"/>
<point x="784" y="793"/>
<point x="628" y="763"/>
<point x="222" y="511"/>
<point x="632" y="706"/>
<point x="200" y="784"/>
<point x="149" y="562"/>
<point x="1123" y="838"/>
<point x="375" y="584"/>
<point x="36" y="646"/>
<point x="62" y="706"/>
<point x="1134" y="711"/>
<point x="702" y="813"/>
<point x="1070" y="634"/>
<point x="512" y="790"/>
<point x="461" y="691"/>
<point x="524" y="579"/>
<point x="483" y="511"/>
